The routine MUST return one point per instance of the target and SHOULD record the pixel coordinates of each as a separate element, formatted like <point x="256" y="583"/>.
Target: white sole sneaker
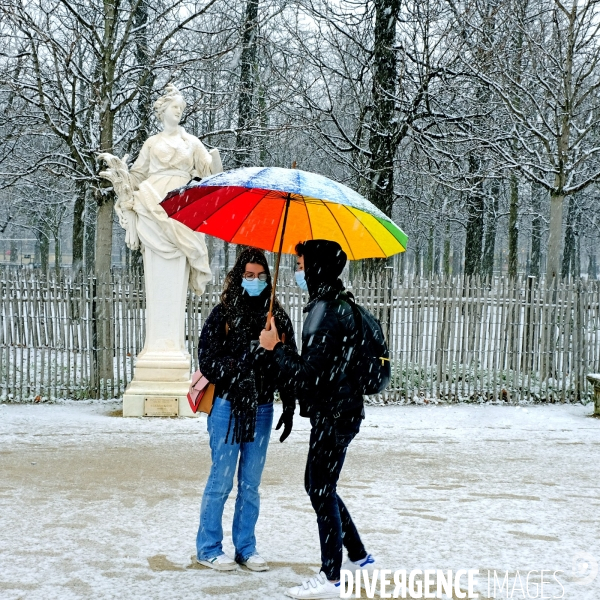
<point x="256" y="566"/>
<point x="316" y="596"/>
<point x="315" y="588"/>
<point x="216" y="565"/>
<point x="366" y="564"/>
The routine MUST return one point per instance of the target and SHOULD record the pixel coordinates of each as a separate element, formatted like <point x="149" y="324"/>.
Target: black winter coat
<point x="234" y="362"/>
<point x="320" y="372"/>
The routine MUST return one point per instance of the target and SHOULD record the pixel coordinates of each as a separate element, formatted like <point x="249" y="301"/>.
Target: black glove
<point x="287" y="420"/>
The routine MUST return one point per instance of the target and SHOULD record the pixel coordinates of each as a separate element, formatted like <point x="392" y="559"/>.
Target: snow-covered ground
<point x="96" y="506"/>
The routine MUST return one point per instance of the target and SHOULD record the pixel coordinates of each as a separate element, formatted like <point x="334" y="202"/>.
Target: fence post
<point x="594" y="379"/>
<point x="527" y="351"/>
<point x="92" y="315"/>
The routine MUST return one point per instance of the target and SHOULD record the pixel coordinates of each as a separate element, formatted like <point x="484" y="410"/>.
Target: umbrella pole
<point x="285" y="216"/>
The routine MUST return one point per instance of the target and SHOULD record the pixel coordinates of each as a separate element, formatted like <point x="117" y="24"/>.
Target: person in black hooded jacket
<point x="328" y="396"/>
<point x="239" y="425"/>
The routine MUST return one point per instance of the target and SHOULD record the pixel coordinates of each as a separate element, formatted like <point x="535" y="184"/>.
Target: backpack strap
<point x="352" y="338"/>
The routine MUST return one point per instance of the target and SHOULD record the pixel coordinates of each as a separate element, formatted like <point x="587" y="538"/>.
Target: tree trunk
<point x="513" y="212"/>
<point x="401" y="268"/>
<point x="576" y="262"/>
<point x="382" y="144"/>
<point x="247" y="83"/>
<point x="248" y="67"/>
<point x="457" y="260"/>
<point x="417" y="261"/>
<point x="36" y="251"/>
<point x="14" y="251"/>
<point x="137" y="262"/>
<point x="210" y="246"/>
<point x="563" y="157"/>
<point x="103" y="339"/>
<point x="487" y="261"/>
<point x="430" y="250"/>
<point x="500" y="261"/>
<point x="143" y="57"/>
<point x="105" y="200"/>
<point x="57" y="253"/>
<point x="44" y="251"/>
<point x="513" y="228"/>
<point x="78" y="227"/>
<point x="474" y="237"/>
<point x="446" y="259"/>
<point x="211" y="113"/>
<point x="104" y="225"/>
<point x="536" y="232"/>
<point x="554" y="237"/>
<point x="264" y="126"/>
<point x="90" y="231"/>
<point x="226" y="256"/>
<point x="569" y="246"/>
<point x="592" y="267"/>
<point x="104" y="232"/>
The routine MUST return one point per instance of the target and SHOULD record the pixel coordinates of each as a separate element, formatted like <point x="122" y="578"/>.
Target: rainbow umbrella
<point x="274" y="209"/>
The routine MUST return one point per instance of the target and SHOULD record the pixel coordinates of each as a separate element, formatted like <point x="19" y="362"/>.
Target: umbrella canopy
<point x="248" y="206"/>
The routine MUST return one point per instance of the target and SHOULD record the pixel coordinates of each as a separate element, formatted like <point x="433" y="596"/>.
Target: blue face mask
<point x="254" y="287"/>
<point x="301" y="280"/>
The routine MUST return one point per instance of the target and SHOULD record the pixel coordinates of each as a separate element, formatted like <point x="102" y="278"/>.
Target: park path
<point x="96" y="506"/>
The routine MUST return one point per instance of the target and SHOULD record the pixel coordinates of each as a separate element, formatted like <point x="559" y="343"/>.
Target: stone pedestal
<point x="594" y="379"/>
<point x="162" y="368"/>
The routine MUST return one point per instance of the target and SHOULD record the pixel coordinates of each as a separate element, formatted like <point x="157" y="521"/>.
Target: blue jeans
<point x="220" y="482"/>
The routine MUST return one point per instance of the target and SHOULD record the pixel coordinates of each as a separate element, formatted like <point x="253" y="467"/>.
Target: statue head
<point x="170" y="106"/>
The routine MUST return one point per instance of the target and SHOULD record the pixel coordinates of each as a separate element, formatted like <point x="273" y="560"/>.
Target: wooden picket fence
<point x="450" y="339"/>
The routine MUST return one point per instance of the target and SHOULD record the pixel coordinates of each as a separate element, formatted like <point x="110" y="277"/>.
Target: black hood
<point x="324" y="262"/>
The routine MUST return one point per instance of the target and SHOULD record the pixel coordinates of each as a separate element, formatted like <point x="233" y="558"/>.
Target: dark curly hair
<point x="232" y="287"/>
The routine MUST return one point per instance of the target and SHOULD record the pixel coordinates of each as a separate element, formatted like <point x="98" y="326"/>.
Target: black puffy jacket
<point x="320" y="372"/>
<point x="235" y="363"/>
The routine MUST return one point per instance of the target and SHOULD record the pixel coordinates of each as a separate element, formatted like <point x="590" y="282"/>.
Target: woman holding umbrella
<point x="239" y="425"/>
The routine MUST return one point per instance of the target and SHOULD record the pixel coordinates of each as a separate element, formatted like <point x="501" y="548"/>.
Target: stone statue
<point x="174" y="255"/>
<point x="168" y="160"/>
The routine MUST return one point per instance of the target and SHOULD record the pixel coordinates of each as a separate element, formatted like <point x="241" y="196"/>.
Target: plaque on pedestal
<point x="158" y="406"/>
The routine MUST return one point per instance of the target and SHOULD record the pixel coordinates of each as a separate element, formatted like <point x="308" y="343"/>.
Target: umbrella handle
<point x="285" y="216"/>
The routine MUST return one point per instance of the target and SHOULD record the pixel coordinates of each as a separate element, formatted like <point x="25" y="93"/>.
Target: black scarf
<point x="247" y="317"/>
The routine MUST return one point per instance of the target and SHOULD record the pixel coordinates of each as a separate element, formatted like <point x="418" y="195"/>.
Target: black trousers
<point x="329" y="441"/>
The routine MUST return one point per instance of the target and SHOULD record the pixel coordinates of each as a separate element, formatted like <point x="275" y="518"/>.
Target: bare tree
<point x="470" y="123"/>
<point x="88" y="65"/>
<point x="553" y="109"/>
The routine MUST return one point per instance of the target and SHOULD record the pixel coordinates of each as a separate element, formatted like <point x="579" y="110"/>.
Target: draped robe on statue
<point x="167" y="162"/>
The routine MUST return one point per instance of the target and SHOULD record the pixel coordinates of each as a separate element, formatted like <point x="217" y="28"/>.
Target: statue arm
<point x="118" y="174"/>
<point x="216" y="166"/>
<point x="141" y="167"/>
<point x="205" y="162"/>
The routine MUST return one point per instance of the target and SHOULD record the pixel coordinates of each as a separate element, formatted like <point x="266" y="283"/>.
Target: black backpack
<point x="369" y="363"/>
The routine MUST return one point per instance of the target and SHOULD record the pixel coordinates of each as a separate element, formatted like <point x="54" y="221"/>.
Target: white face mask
<point x="301" y="280"/>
